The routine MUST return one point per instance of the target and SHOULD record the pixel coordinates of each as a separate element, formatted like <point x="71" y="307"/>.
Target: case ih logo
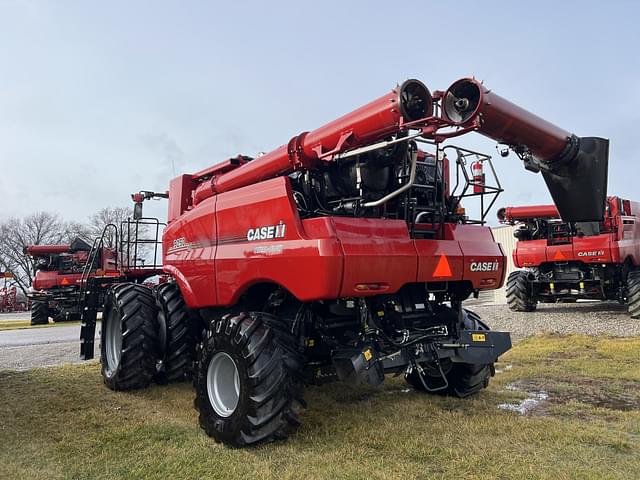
<point x="484" y="266"/>
<point x="592" y="253"/>
<point x="266" y="233"/>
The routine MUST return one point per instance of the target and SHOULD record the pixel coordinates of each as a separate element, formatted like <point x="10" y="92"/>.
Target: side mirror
<point x="137" y="210"/>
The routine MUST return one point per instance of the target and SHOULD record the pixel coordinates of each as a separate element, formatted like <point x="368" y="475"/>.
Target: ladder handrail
<point x="96" y="248"/>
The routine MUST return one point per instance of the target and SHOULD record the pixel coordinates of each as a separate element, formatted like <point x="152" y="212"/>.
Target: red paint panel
<point x="375" y="252"/>
<point x="308" y="267"/>
<point x="45" y="280"/>
<point x="484" y="260"/>
<point x="559" y="253"/>
<point x="596" y="249"/>
<point x="429" y="253"/>
<point x="189" y="247"/>
<point x="530" y="253"/>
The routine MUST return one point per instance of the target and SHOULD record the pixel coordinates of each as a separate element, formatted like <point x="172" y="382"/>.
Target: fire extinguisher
<point x="478" y="177"/>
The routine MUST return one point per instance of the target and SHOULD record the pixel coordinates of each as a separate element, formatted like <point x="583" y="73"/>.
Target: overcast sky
<point x="101" y="99"/>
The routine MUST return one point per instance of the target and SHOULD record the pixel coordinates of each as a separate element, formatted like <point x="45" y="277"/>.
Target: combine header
<point x="344" y="254"/>
<point x="567" y="261"/>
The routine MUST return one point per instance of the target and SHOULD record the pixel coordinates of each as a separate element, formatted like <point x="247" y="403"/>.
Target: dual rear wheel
<point x="146" y="336"/>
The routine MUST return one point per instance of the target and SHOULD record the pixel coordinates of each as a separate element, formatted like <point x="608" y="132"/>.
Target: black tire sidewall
<point x="39" y="313"/>
<point x="139" y="373"/>
<point x="110" y="305"/>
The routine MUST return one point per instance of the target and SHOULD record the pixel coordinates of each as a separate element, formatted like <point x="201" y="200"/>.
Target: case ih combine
<point x="343" y="254"/>
<point x="10" y="301"/>
<point x="55" y="290"/>
<point x="566" y="261"/>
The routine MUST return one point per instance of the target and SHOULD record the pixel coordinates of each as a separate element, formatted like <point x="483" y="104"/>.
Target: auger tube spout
<point x="574" y="168"/>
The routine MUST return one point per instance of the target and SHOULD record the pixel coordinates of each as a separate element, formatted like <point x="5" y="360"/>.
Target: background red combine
<point x="58" y="290"/>
<point x="55" y="287"/>
<point x="566" y="261"/>
<point x="344" y="254"/>
<point x="10" y="299"/>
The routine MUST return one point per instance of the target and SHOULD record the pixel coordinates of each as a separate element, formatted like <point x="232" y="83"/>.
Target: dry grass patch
<point x="63" y="423"/>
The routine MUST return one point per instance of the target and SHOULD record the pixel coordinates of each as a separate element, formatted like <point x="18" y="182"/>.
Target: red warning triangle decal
<point x="64" y="281"/>
<point x="559" y="255"/>
<point x="442" y="268"/>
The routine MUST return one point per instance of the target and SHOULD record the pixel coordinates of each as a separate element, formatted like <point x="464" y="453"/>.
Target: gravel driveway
<point x="23" y="349"/>
<point x="590" y="318"/>
<point x="26" y="348"/>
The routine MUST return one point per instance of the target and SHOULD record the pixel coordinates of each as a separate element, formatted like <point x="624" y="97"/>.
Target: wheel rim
<point x="223" y="384"/>
<point x="113" y="341"/>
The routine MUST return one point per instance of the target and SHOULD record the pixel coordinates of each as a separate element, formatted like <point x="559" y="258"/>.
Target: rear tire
<point x="179" y="343"/>
<point x="633" y="293"/>
<point x="519" y="292"/>
<point x="463" y="379"/>
<point x="247" y="387"/>
<point x="39" y="313"/>
<point x="128" y="341"/>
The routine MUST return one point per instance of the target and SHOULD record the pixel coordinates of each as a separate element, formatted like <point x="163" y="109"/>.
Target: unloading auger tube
<point x="510" y="215"/>
<point x="407" y="104"/>
<point x="574" y="168"/>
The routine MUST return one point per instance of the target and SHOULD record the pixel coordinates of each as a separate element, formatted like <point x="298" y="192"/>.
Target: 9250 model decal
<point x="269" y="232"/>
<point x="484" y="266"/>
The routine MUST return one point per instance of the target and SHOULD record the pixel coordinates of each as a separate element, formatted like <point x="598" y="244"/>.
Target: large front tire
<point x="462" y="379"/>
<point x="246" y="385"/>
<point x="39" y="313"/>
<point x="519" y="292"/>
<point x="128" y="341"/>
<point x="633" y="293"/>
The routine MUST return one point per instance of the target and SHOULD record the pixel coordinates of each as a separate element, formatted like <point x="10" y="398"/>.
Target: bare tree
<point x="16" y="234"/>
<point x="131" y="239"/>
<point x="99" y="221"/>
<point x="46" y="228"/>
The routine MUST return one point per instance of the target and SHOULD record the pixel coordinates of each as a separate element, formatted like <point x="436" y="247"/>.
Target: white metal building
<point x="504" y="235"/>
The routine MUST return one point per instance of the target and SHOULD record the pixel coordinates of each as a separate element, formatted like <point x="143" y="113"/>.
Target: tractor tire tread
<point x="39" y="313"/>
<point x="139" y="337"/>
<point x="633" y="293"/>
<point x="518" y="296"/>
<point x="180" y="339"/>
<point x="269" y="410"/>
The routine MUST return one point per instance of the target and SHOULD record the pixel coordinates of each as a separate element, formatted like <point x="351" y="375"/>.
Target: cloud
<point x="167" y="148"/>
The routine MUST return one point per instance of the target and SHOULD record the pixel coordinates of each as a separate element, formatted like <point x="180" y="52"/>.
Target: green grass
<point x="22" y="324"/>
<point x="63" y="423"/>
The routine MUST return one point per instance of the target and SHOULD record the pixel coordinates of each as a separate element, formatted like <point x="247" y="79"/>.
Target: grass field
<point x="62" y="423"/>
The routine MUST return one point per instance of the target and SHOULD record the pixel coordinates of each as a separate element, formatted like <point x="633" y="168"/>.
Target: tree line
<point x="46" y="228"/>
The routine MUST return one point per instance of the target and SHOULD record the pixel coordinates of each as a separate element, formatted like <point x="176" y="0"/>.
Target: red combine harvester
<point x="567" y="261"/>
<point x="56" y="285"/>
<point x="344" y="254"/>
<point x="10" y="301"/>
<point x="62" y="271"/>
